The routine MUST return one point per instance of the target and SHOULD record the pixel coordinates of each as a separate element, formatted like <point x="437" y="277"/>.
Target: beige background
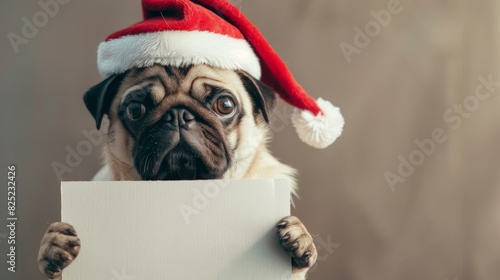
<point x="442" y="222"/>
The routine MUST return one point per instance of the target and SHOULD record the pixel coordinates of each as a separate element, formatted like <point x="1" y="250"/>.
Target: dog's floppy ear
<point x="264" y="97"/>
<point x="98" y="98"/>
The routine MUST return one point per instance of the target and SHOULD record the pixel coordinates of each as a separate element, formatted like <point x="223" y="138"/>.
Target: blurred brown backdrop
<point x="441" y="222"/>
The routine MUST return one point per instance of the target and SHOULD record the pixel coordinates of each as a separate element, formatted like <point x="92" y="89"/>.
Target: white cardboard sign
<point x="192" y="230"/>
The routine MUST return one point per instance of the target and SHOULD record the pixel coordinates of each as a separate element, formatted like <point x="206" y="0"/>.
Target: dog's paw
<point x="59" y="247"/>
<point x="297" y="242"/>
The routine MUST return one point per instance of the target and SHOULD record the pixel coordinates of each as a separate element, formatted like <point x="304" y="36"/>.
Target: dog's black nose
<point x="179" y="118"/>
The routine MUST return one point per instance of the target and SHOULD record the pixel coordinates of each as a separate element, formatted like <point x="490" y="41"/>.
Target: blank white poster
<point x="182" y="230"/>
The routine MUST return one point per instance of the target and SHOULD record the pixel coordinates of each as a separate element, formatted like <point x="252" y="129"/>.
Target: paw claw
<point x="285" y="238"/>
<point x="71" y="232"/>
<point x="64" y="257"/>
<point x="281" y="225"/>
<point x="74" y="243"/>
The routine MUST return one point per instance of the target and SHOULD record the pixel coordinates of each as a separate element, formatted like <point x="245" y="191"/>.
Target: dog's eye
<point x="136" y="111"/>
<point x="224" y="106"/>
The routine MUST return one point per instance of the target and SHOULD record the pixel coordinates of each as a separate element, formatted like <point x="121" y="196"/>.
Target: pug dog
<point x="183" y="123"/>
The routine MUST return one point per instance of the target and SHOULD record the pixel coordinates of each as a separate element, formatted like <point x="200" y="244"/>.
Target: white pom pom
<point x="322" y="130"/>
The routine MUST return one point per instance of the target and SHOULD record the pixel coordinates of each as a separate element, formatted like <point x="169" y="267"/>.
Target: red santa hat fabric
<point x="216" y="33"/>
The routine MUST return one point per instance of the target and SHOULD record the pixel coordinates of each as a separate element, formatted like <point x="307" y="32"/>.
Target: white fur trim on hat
<point x="176" y="48"/>
<point x="322" y="130"/>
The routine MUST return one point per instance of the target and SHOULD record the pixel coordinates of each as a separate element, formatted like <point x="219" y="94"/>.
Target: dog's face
<point x="181" y="123"/>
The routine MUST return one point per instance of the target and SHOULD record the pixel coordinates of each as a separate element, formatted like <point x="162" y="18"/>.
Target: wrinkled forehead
<point x="161" y="81"/>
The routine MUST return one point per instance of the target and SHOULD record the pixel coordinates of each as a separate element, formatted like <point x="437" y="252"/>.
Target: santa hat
<point x="216" y="33"/>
